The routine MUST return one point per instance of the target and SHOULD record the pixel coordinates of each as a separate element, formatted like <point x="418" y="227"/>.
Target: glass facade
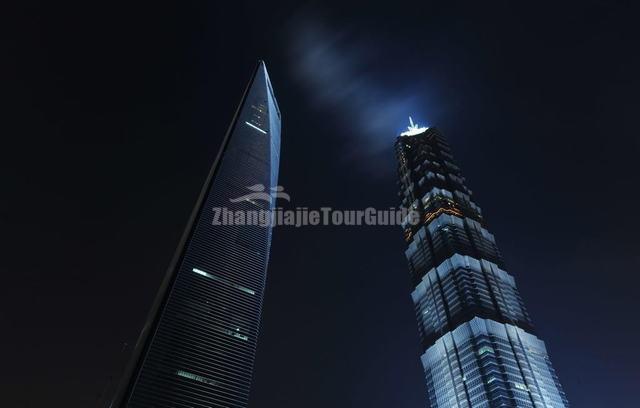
<point x="479" y="345"/>
<point x="197" y="348"/>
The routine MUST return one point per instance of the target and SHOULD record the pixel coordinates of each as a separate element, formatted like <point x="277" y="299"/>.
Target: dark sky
<point x="116" y="111"/>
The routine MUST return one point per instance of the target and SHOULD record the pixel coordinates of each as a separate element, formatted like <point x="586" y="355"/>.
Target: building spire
<point x="413" y="128"/>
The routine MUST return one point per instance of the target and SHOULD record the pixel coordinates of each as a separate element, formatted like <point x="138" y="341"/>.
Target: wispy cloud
<point x="352" y="76"/>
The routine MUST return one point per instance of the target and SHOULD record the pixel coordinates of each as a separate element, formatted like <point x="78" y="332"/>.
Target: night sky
<point x="114" y="113"/>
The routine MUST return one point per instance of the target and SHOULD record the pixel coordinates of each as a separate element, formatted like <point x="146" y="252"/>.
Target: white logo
<point x="303" y="216"/>
<point x="259" y="193"/>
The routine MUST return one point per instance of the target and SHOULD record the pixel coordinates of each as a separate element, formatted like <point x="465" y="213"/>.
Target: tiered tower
<point x="479" y="345"/>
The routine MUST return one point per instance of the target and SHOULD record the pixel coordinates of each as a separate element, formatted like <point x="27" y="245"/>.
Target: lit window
<point x="195" y="377"/>
<point x="256" y="128"/>
<point x="224" y="281"/>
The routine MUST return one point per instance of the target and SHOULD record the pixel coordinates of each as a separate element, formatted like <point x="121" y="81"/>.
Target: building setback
<point x="479" y="345"/>
<point x="197" y="347"/>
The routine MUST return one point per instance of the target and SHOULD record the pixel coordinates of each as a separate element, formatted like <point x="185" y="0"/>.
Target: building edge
<point x="136" y="359"/>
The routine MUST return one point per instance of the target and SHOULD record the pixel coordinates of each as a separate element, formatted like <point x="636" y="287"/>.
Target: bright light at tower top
<point x="413" y="129"/>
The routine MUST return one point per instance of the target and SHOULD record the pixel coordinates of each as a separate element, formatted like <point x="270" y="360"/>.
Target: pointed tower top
<point x="262" y="69"/>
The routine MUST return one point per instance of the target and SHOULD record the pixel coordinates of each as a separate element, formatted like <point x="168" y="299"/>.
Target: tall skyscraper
<point x="197" y="347"/>
<point x="479" y="345"/>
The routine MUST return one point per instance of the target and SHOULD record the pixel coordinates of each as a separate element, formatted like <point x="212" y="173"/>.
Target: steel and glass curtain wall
<point x="197" y="348"/>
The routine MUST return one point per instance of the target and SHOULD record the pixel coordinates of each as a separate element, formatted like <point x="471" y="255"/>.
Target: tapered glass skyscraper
<point x="479" y="345"/>
<point x="197" y="348"/>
